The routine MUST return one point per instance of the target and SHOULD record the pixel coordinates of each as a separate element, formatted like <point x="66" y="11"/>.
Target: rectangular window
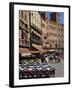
<point x="22" y="14"/>
<point x="52" y="27"/>
<point x="22" y="35"/>
<point x="25" y="17"/>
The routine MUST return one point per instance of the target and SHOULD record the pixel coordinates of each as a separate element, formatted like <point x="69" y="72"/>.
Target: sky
<point x="61" y="17"/>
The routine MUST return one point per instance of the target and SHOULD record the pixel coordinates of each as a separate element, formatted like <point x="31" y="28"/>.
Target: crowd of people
<point x="52" y="57"/>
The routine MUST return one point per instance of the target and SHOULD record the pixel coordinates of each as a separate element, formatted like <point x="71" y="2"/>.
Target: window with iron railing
<point x="36" y="39"/>
<point x="23" y="38"/>
<point x="22" y="25"/>
<point x="22" y="13"/>
<point x="36" y="29"/>
<point x="24" y="43"/>
<point x="52" y="27"/>
<point x="45" y="37"/>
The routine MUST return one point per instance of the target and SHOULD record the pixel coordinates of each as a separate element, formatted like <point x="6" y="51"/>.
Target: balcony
<point x="23" y="26"/>
<point x="39" y="42"/>
<point x="36" y="29"/>
<point x="23" y="20"/>
<point x="36" y="39"/>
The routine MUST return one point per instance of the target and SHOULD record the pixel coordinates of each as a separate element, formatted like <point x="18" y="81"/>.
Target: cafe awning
<point x="27" y="51"/>
<point x="52" y="50"/>
<point x="24" y="51"/>
<point x="39" y="48"/>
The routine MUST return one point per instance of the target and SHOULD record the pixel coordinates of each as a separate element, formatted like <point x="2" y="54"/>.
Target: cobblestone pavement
<point x="59" y="68"/>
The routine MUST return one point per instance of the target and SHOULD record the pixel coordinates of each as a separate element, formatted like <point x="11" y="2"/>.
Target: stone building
<point x="44" y="29"/>
<point x="24" y="31"/>
<point x="52" y="32"/>
<point x="38" y="34"/>
<point x="36" y="30"/>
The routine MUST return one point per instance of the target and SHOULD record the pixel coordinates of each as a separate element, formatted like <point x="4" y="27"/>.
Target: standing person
<point x="46" y="58"/>
<point x="42" y="58"/>
<point x="54" y="57"/>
